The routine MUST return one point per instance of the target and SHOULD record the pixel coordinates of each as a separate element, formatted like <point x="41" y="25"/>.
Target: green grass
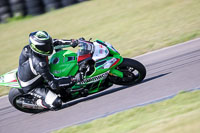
<point x="134" y="27"/>
<point x="180" y="114"/>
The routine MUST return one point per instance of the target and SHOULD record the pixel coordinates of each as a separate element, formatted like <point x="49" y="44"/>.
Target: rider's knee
<point x="57" y="103"/>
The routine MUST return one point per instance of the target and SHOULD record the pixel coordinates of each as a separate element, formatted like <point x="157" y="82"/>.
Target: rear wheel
<point x="17" y="98"/>
<point x="134" y="72"/>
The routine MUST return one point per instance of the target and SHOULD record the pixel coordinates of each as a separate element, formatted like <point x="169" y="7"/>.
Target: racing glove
<point x="82" y="39"/>
<point x="74" y="43"/>
<point x="78" y="77"/>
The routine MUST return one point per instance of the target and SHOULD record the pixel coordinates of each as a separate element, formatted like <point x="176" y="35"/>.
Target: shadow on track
<point x="155" y="77"/>
<point x="108" y="91"/>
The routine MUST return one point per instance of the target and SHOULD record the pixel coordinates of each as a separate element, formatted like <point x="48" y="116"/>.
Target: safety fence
<point x="16" y="8"/>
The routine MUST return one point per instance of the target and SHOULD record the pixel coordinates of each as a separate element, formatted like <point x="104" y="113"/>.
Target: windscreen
<point x="85" y="48"/>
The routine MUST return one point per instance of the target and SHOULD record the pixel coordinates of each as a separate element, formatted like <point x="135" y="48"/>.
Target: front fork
<point x="114" y="71"/>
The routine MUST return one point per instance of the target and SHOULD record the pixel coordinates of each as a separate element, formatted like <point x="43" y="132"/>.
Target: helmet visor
<point x="43" y="50"/>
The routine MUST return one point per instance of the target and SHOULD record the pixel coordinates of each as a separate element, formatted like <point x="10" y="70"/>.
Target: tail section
<point x="9" y="79"/>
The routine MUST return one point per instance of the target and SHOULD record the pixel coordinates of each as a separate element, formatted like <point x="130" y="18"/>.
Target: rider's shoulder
<point x="26" y="50"/>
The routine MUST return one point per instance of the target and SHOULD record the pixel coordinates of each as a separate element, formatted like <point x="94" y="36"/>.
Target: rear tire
<point x="134" y="72"/>
<point x="14" y="95"/>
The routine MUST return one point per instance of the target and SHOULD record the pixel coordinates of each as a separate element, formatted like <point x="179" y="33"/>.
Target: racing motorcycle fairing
<point x="64" y="63"/>
<point x="101" y="63"/>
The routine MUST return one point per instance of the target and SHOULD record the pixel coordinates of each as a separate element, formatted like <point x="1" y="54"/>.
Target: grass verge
<point x="133" y="27"/>
<point x="180" y="114"/>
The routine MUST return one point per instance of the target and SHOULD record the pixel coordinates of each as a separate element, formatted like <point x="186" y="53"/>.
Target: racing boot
<point x="46" y="99"/>
<point x="57" y="104"/>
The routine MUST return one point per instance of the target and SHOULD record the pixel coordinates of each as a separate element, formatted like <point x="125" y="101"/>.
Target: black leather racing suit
<point x="33" y="70"/>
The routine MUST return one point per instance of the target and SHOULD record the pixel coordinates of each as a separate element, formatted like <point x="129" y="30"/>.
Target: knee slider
<point x="57" y="103"/>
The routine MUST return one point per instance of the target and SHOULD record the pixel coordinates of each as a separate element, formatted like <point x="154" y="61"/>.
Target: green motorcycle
<point x="101" y="64"/>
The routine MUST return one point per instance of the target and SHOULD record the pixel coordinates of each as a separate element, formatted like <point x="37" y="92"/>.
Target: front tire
<point x="134" y="72"/>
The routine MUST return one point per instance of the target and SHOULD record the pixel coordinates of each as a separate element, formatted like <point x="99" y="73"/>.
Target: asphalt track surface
<point x="169" y="71"/>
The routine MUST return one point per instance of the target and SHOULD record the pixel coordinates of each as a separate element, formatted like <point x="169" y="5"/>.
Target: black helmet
<point x="41" y="43"/>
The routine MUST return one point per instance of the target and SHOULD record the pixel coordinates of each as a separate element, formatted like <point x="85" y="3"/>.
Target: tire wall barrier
<point x="20" y="8"/>
<point x="4" y="10"/>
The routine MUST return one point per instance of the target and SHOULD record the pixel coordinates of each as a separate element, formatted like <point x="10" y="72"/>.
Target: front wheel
<point x="134" y="72"/>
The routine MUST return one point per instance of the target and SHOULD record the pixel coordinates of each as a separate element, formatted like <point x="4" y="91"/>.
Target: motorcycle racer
<point x="33" y="70"/>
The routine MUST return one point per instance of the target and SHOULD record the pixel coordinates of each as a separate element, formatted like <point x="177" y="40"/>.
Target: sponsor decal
<point x="14" y="80"/>
<point x="101" y="51"/>
<point x="109" y="63"/>
<point x="106" y="51"/>
<point x="94" y="79"/>
<point x="101" y="46"/>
